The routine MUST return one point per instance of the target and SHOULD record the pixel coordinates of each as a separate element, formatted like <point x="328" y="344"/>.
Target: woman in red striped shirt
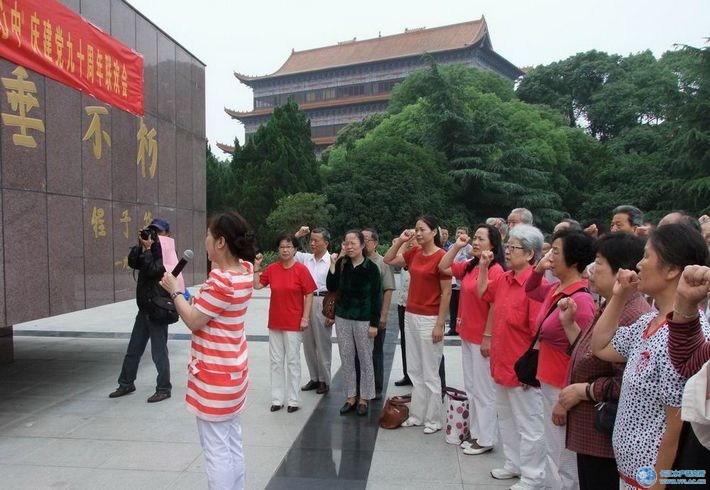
<point x="217" y="372"/>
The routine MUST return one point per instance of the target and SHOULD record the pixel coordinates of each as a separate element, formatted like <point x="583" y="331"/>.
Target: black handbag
<point x="605" y="417"/>
<point x="526" y="366"/>
<point x="163" y="310"/>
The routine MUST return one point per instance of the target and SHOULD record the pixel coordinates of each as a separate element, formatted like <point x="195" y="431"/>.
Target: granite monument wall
<point x="79" y="178"/>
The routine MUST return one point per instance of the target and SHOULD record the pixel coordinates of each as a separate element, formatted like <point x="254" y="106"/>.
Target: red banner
<point x="47" y="37"/>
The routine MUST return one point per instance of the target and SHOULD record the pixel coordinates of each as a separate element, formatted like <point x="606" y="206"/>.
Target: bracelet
<point x="588" y="390"/>
<point x="175" y="295"/>
<point x="488" y="335"/>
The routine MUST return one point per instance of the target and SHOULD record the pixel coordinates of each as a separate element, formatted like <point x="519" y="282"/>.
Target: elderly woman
<point x="519" y="407"/>
<point x="648" y="421"/>
<point x="427" y="306"/>
<point x="292" y="289"/>
<point x="218" y="376"/>
<point x="475" y="326"/>
<point x="592" y="380"/>
<point x="571" y="252"/>
<point x="357" y="317"/>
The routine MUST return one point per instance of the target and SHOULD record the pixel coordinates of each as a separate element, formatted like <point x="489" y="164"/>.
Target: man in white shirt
<point x="317" y="346"/>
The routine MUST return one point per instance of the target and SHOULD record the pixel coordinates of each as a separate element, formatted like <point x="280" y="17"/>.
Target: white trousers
<point x="562" y="460"/>
<point x="523" y="433"/>
<point x="317" y="346"/>
<point x="423" y="359"/>
<point x="224" y="456"/>
<point x="285" y="349"/>
<point x="481" y="392"/>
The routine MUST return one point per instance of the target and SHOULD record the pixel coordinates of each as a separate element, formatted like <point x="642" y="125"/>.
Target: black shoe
<point x="347" y="407"/>
<point x="311" y="385"/>
<point x="123" y="390"/>
<point x="291" y="409"/>
<point x="403" y="382"/>
<point x="276" y="408"/>
<point x="158" y="396"/>
<point x="322" y="388"/>
<point x="451" y="333"/>
<point x="362" y="408"/>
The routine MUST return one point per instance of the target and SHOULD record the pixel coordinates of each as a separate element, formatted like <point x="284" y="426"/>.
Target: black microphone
<point x="186" y="256"/>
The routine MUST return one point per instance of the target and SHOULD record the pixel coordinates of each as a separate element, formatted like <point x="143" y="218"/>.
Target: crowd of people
<point x="584" y="354"/>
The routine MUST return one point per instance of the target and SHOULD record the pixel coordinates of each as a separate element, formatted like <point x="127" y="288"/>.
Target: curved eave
<point x="225" y="148"/>
<point x="312" y="106"/>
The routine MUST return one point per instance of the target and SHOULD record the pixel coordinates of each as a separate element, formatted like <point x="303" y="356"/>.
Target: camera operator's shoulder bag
<point x="163" y="310"/>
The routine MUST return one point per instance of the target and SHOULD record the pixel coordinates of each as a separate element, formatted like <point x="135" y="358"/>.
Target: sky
<point x="255" y="37"/>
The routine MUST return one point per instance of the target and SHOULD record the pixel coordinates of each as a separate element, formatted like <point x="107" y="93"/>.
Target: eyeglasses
<point x="513" y="247"/>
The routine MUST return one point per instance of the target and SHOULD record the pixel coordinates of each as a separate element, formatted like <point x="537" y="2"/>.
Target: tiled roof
<point x="410" y="43"/>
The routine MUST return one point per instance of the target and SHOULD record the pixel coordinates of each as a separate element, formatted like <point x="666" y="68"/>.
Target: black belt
<point x="320" y="293"/>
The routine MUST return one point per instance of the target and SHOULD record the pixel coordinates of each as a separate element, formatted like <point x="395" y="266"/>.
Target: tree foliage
<point x="295" y="210"/>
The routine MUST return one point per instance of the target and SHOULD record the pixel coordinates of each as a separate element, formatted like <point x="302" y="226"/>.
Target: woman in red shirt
<point x="474" y="326"/>
<point x="571" y="253"/>
<point x="427" y="306"/>
<point x="292" y="289"/>
<point x="519" y="407"/>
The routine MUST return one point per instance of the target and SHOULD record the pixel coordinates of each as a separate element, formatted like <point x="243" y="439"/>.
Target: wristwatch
<point x="175" y="295"/>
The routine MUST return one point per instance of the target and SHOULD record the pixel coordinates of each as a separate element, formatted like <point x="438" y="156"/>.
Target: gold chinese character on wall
<point x="95" y="131"/>
<point x="147" y="218"/>
<point x="147" y="147"/>
<point x="125" y="219"/>
<point x="97" y="222"/>
<point x="123" y="263"/>
<point x="19" y="95"/>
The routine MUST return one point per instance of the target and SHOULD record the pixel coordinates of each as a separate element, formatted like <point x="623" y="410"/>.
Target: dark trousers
<point x="402" y="341"/>
<point x="378" y="362"/>
<point x="595" y="472"/>
<point x="144" y="329"/>
<point x="453" y="309"/>
<point x="691" y="455"/>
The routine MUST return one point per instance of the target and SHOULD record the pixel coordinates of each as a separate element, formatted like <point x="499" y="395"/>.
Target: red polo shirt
<point x="473" y="311"/>
<point x="514" y="324"/>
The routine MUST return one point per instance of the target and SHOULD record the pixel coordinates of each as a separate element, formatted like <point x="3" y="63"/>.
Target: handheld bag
<point x="457" y="414"/>
<point x="331" y="297"/>
<point x="605" y="417"/>
<point x="395" y="411"/>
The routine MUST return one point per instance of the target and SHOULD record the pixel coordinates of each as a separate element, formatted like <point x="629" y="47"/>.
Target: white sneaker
<point x="467" y="443"/>
<point x="474" y="449"/>
<point x="430" y="429"/>
<point x="503" y="474"/>
<point x="520" y="486"/>
<point x="410" y="422"/>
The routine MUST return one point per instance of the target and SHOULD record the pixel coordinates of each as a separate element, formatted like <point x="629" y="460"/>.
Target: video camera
<point x="149" y="233"/>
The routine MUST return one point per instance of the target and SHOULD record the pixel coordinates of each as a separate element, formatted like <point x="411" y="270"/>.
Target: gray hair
<point x="526" y="217"/>
<point x="499" y="223"/>
<point x="635" y="214"/>
<point x="530" y="238"/>
<point x="323" y="232"/>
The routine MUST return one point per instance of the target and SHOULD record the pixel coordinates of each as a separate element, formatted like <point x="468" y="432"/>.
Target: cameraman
<point x="147" y="259"/>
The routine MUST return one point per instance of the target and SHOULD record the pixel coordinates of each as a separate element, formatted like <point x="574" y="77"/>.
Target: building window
<point x="310" y="96"/>
<point x="328" y="94"/>
<point x="352" y="90"/>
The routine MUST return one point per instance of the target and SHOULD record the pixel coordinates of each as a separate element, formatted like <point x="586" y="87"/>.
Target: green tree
<point x="386" y="182"/>
<point x="218" y="183"/>
<point x="291" y="212"/>
<point x="276" y="162"/>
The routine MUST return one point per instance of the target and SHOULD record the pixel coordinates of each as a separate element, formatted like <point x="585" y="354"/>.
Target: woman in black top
<point x="357" y="317"/>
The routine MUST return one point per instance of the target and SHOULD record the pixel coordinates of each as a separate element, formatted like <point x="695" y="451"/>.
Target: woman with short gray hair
<point x="519" y="407"/>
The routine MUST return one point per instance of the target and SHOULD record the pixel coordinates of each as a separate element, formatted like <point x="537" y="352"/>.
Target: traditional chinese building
<point x="82" y="167"/>
<point x="336" y="85"/>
